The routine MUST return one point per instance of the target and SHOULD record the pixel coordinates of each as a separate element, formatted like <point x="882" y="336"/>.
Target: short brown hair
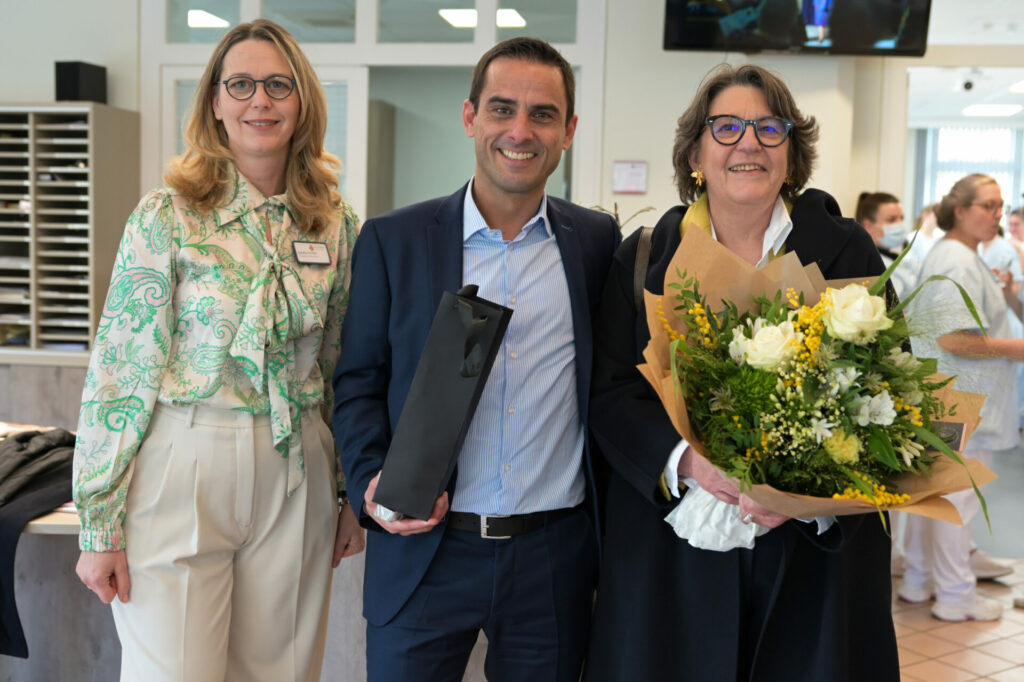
<point x="692" y="123"/>
<point x="868" y="204"/>
<point x="203" y="173"/>
<point x="530" y="50"/>
<point x="962" y="193"/>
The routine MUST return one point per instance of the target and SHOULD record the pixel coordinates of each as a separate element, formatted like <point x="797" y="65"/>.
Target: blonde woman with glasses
<point x="206" y="477"/>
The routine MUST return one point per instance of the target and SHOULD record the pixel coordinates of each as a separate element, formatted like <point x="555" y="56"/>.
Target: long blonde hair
<point x="204" y="175"/>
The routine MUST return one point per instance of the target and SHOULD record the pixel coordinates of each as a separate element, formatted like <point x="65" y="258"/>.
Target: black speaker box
<point x="80" y="81"/>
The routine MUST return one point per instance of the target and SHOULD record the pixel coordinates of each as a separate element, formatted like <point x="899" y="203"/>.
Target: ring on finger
<point x="747" y="518"/>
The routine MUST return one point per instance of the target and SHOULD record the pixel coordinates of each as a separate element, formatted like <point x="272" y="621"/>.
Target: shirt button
<point x="511" y="410"/>
<point x="512" y="299"/>
<point x="513" y="355"/>
<point x="508" y="467"/>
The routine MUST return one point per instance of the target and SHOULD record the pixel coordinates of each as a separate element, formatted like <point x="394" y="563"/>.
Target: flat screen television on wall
<point x="853" y="27"/>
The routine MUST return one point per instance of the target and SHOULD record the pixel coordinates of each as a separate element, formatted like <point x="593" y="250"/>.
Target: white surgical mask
<point x="895" y="234"/>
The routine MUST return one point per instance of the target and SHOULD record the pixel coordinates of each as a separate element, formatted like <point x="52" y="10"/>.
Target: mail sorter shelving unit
<point x="68" y="181"/>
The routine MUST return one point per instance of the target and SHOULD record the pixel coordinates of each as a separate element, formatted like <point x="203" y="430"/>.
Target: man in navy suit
<point x="510" y="547"/>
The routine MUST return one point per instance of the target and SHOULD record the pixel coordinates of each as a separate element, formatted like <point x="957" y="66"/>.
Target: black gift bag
<point x="463" y="341"/>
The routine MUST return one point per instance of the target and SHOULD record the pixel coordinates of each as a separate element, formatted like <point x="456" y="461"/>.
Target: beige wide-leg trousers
<point x="230" y="576"/>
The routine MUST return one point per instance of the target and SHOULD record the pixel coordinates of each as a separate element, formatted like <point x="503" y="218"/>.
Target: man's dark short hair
<point x="530" y="50"/>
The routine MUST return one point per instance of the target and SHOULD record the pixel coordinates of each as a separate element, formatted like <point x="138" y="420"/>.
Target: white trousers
<point x="230" y="576"/>
<point x="938" y="552"/>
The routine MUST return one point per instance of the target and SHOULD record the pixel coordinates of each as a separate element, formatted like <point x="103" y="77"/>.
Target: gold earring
<point x="698" y="176"/>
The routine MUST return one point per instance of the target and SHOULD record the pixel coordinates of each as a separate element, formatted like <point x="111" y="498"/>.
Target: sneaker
<point x="985" y="567"/>
<point x="980" y="608"/>
<point x="914" y="595"/>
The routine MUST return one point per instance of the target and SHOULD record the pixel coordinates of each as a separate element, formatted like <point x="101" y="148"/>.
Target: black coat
<point x="797" y="607"/>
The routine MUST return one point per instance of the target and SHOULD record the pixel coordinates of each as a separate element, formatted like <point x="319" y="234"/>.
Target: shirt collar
<point x="473" y="221"/>
<point x="244" y="199"/>
<point x="775" y="236"/>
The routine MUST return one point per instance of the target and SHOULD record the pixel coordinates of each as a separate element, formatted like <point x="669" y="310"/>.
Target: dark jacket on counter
<point x="35" y="478"/>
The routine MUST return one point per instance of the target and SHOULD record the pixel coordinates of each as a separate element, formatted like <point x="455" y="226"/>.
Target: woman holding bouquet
<point x="938" y="555"/>
<point x="802" y="604"/>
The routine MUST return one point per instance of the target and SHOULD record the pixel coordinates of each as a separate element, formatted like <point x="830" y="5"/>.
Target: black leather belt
<point x="504" y="527"/>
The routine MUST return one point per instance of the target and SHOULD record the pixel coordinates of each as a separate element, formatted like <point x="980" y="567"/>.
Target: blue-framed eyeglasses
<point x="770" y="131"/>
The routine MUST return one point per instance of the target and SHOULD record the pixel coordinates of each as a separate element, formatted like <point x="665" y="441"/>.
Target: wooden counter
<point x="54" y="523"/>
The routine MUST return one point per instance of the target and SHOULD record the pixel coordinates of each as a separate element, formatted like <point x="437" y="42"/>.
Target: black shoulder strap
<point x="643" y="257"/>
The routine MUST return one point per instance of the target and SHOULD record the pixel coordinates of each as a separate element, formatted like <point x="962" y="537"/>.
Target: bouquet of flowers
<point x="805" y="396"/>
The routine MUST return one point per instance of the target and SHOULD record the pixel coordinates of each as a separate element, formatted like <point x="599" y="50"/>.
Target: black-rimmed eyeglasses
<point x="771" y="131"/>
<point x="243" y="87"/>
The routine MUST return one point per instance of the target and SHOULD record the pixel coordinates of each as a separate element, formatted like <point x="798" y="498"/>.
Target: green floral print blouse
<point x="213" y="309"/>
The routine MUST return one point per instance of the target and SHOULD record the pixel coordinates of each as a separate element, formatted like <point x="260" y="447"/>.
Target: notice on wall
<point x="629" y="177"/>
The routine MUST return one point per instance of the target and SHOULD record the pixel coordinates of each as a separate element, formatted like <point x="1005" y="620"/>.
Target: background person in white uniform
<point x="938" y="553"/>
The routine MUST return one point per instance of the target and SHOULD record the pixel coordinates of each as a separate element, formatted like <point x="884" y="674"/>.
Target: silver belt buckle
<point x="484" y="528"/>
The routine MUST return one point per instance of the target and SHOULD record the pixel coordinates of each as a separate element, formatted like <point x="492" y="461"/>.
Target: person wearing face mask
<point x="882" y="216"/>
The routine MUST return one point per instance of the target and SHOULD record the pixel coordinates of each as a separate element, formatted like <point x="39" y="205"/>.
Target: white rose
<point x="855" y="315"/>
<point x="772" y="345"/>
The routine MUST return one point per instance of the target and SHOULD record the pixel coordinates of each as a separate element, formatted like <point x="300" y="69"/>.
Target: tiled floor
<point x="932" y="650"/>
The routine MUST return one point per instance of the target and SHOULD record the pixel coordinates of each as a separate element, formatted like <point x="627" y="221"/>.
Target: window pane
<point x="183" y="91"/>
<point x="416" y="21"/>
<point x="550" y="20"/>
<point x="994" y="145"/>
<point x="200" y="21"/>
<point x="315" y="21"/>
<point x="335" y="141"/>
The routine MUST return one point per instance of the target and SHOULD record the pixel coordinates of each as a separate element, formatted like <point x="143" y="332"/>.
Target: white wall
<point x="647" y="88"/>
<point x="40" y="32"/>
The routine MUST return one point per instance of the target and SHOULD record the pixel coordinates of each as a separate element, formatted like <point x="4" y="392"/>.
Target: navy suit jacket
<point x="402" y="263"/>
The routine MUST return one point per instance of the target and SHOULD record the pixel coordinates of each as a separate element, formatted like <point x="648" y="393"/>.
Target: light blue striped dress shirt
<point x="524" y="448"/>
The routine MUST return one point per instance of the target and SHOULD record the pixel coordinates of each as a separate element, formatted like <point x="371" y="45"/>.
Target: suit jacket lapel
<point x="444" y="246"/>
<point x="568" y="239"/>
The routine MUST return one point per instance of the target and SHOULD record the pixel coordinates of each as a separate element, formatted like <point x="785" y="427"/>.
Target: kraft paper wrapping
<point x="724" y="275"/>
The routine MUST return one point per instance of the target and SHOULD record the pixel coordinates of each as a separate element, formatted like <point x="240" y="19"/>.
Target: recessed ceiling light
<point x="509" y="18"/>
<point x="992" y="110"/>
<point x="459" y="18"/>
<point x="1017" y="88"/>
<point x="198" y="18"/>
<point x="466" y="18"/>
